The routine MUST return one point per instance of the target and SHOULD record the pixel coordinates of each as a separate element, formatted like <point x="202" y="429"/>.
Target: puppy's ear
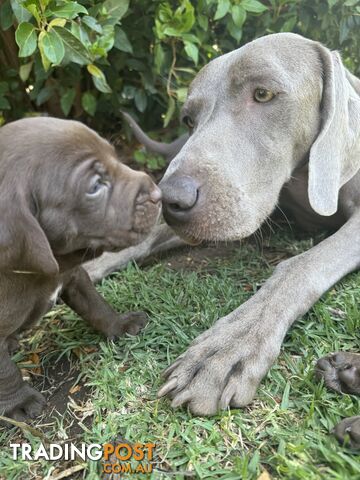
<point x="334" y="156"/>
<point x="23" y="244"/>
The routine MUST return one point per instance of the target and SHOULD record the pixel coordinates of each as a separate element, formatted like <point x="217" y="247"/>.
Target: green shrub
<point x="87" y="59"/>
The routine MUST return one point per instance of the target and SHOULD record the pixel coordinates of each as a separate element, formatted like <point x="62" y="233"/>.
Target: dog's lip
<point x="187" y="237"/>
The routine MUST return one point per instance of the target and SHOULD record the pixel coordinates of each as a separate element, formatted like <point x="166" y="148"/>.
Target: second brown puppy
<point x="64" y="198"/>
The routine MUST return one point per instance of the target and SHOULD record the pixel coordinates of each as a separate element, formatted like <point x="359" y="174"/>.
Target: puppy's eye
<point x="96" y="186"/>
<point x="262" y="95"/>
<point x="189" y="122"/>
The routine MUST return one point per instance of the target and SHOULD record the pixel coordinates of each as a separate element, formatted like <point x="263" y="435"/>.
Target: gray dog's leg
<point x="226" y="363"/>
<point x="161" y="238"/>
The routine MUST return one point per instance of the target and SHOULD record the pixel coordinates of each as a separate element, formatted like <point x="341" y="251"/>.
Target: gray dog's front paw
<point x="26" y="403"/>
<point x="340" y="371"/>
<point x="130" y="323"/>
<point x="348" y="432"/>
<point x="218" y="371"/>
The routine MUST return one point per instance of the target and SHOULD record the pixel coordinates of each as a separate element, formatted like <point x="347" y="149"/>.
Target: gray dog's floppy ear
<point x="334" y="156"/>
<point x="24" y="247"/>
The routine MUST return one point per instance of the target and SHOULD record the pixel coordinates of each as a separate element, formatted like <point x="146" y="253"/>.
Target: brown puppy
<point x="64" y="198"/>
<point x="341" y="372"/>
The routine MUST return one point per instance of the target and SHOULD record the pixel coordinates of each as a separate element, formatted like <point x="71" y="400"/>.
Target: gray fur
<point x="301" y="150"/>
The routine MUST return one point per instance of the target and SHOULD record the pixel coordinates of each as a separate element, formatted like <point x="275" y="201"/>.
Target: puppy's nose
<point x="180" y="195"/>
<point x="148" y="191"/>
<point x="155" y="195"/>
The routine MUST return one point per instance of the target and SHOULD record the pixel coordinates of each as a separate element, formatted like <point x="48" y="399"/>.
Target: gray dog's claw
<point x="168" y="371"/>
<point x="168" y="387"/>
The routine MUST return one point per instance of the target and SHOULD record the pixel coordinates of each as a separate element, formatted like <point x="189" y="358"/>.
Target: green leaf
<point x="193" y="51"/>
<point x="92" y="23"/>
<point x="53" y="46"/>
<point x="170" y="111"/>
<point x="159" y="57"/>
<point x="80" y="33"/>
<point x="235" y="32"/>
<point x="88" y="102"/>
<point x="344" y="30"/>
<point x="253" y="6"/>
<point x="106" y="40"/>
<point x="203" y="22"/>
<point x="116" y="9"/>
<point x="121" y="41"/>
<point x="4" y="88"/>
<point x="181" y="94"/>
<point x="6" y="15"/>
<point x="289" y="24"/>
<point x="222" y="9"/>
<point x="57" y="22"/>
<point x="238" y="14"/>
<point x="99" y="79"/>
<point x="25" y="37"/>
<point x="44" y="60"/>
<point x="31" y="6"/>
<point x="254" y="462"/>
<point x="67" y="100"/>
<point x="74" y="49"/>
<point x="140" y="100"/>
<point x="44" y="95"/>
<point x="21" y="14"/>
<point x="285" y="398"/>
<point x="68" y="10"/>
<point x="24" y="71"/>
<point x="4" y="104"/>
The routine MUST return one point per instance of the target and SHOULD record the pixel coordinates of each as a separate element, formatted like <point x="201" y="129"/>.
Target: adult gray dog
<point x="277" y="120"/>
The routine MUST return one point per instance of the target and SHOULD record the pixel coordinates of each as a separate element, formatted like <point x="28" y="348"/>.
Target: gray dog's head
<point x="255" y="115"/>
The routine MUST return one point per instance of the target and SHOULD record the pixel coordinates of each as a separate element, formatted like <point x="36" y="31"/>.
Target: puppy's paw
<point x="348" y="432"/>
<point x="130" y="323"/>
<point x="27" y="403"/>
<point x="340" y="371"/>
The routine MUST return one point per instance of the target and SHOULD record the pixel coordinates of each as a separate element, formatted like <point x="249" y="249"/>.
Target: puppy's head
<point x="66" y="181"/>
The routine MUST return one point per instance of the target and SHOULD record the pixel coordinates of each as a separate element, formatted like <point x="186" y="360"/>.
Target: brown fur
<point x="64" y="198"/>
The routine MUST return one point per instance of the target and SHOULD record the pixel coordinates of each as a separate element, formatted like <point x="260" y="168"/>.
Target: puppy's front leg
<point x="18" y="399"/>
<point x="81" y="295"/>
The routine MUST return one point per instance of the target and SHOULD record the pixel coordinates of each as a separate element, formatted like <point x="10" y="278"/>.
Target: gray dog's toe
<point x="340" y="371"/>
<point x="214" y="375"/>
<point x="348" y="432"/>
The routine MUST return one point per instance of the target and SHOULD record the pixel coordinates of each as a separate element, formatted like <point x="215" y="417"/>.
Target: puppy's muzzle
<point x="147" y="207"/>
<point x="180" y="196"/>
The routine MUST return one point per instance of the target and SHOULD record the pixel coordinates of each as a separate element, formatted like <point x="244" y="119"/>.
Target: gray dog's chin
<point x="218" y="234"/>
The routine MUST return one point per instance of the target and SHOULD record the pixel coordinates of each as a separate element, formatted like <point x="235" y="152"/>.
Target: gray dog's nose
<point x="180" y="195"/>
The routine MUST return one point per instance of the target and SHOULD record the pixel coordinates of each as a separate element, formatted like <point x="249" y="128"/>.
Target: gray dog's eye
<point x="96" y="186"/>
<point x="262" y="95"/>
<point x="189" y="122"/>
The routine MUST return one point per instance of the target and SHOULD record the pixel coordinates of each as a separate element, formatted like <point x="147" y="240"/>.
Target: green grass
<point x="285" y="431"/>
